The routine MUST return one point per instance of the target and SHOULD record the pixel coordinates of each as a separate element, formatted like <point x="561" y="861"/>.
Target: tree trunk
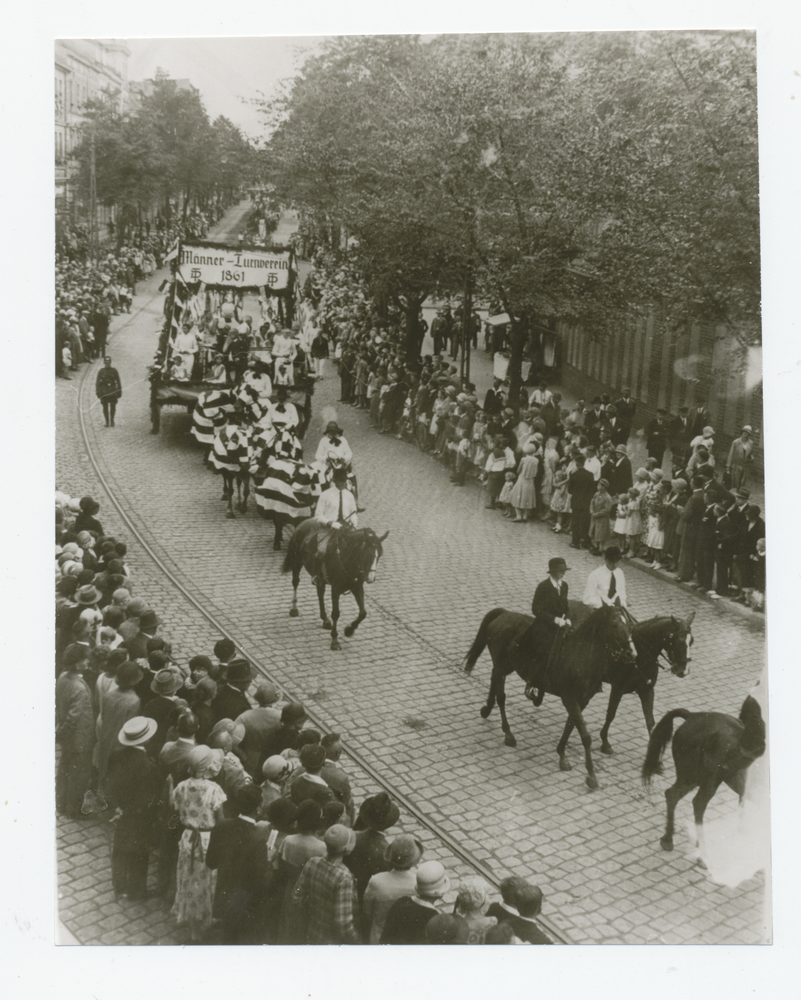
<point x="517" y="341"/>
<point x="414" y="338"/>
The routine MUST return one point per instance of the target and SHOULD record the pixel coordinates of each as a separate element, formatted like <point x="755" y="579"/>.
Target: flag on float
<point x="180" y="299"/>
<point x="173" y="252"/>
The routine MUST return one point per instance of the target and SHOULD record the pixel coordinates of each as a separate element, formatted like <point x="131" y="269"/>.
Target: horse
<point x="710" y="748"/>
<point x="241" y="480"/>
<point x="663" y="635"/>
<point x="582" y="664"/>
<point x="350" y="560"/>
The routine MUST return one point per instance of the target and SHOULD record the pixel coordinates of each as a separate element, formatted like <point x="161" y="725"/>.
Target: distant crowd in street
<point x="568" y="466"/>
<point x="248" y="807"/>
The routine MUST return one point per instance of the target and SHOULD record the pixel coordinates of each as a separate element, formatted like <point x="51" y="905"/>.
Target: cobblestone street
<point x="396" y="691"/>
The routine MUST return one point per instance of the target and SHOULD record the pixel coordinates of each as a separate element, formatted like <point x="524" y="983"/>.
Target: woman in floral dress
<point x="198" y="802"/>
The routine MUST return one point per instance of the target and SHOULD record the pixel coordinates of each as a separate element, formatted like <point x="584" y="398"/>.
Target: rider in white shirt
<point x="333" y="448"/>
<point x="335" y="508"/>
<point x="606" y="584"/>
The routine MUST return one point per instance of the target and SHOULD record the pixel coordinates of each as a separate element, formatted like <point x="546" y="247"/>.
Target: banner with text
<point x="236" y="268"/>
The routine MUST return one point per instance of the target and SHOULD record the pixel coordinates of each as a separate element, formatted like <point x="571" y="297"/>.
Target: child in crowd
<point x="633" y="523"/>
<point x="621" y="510"/>
<point x="505" y="496"/>
<point x="655" y="536"/>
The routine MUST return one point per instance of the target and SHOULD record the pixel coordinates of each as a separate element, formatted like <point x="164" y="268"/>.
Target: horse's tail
<point x="292" y="557"/>
<point x="660" y="737"/>
<point x="480" y="640"/>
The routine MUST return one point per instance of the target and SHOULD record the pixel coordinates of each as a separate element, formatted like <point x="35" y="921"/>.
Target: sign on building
<point x="236" y="268"/>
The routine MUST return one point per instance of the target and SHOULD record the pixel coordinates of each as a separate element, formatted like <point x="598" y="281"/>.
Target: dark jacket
<point x="165" y="711"/>
<point x="657" y="435"/>
<point x="107" y="384"/>
<point x="133" y="784"/>
<point x="692" y="515"/>
<point x="303" y="787"/>
<point x="547" y="604"/>
<point x="622" y="478"/>
<point x="625" y="413"/>
<point x="407" y="921"/>
<point x="230" y="703"/>
<point x="581" y="487"/>
<point x="237" y="851"/>
<point x="524" y="929"/>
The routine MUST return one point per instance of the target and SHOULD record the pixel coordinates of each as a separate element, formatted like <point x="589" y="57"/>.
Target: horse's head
<point x="368" y="553"/>
<point x="677" y="643"/>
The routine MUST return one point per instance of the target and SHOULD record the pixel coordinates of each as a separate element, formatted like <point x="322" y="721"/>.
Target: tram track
<point x="358" y="759"/>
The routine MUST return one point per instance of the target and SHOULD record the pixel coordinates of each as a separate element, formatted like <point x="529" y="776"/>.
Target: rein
<point x="660" y="652"/>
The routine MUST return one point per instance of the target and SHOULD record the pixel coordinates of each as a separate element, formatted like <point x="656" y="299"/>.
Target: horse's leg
<point x="700" y="802"/>
<point x="243" y="491"/>
<point x="486" y="709"/>
<point x="646" y="696"/>
<point x="334" y="618"/>
<point x="564" y="763"/>
<point x="293" y="611"/>
<point x="673" y="796"/>
<point x="321" y="601"/>
<point x="224" y="475"/>
<point x="229" y="489"/>
<point x="500" y="692"/>
<point x="611" y="711"/>
<point x="586" y="739"/>
<point x="358" y="593"/>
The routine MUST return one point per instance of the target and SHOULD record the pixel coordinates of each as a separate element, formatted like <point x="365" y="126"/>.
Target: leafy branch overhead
<point x="580" y="175"/>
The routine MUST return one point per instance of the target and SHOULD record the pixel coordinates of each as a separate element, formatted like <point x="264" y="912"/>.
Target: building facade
<point x="85" y="69"/>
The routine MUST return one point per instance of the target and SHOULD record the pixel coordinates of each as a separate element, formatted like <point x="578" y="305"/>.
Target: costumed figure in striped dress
<point x="231" y="456"/>
<point x="286" y="488"/>
<point x="209" y="414"/>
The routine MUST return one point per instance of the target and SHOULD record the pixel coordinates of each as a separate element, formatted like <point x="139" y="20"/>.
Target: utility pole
<point x="467" y="312"/>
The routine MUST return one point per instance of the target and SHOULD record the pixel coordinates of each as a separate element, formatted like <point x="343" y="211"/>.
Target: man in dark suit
<point x="699" y="417"/>
<point x="581" y="487"/>
<point x="680" y="435"/>
<point x="705" y="546"/>
<point x="724" y="530"/>
<point x="618" y="434"/>
<point x="551" y="616"/>
<point x="237" y="851"/>
<point x="593" y="419"/>
<point x="749" y="533"/>
<point x="691" y="518"/>
<point x="657" y="436"/>
<point x="622" y="478"/>
<point x="231" y="700"/>
<point x="626" y="408"/>
<point x="165" y="707"/>
<point x="131" y="787"/>
<point x="174" y="756"/>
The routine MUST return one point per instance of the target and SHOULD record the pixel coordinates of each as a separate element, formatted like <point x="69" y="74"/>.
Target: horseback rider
<point x="606" y="584"/>
<point x="551" y="623"/>
<point x="333" y="452"/>
<point x="335" y="508"/>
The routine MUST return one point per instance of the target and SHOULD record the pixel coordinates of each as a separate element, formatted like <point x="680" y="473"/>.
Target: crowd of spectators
<point x="248" y="808"/>
<point x="540" y="460"/>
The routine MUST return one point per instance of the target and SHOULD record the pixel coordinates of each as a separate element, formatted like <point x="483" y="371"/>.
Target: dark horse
<point x="664" y="635"/>
<point x="708" y="749"/>
<point x="350" y="561"/>
<point x="241" y="480"/>
<point x="582" y="664"/>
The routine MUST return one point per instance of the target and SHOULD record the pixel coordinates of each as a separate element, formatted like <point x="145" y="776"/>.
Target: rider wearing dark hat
<point x="551" y="620"/>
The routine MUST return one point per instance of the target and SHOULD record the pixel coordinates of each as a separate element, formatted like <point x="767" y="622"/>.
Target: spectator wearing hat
<point x="656" y="436"/>
<point x="748" y="532"/>
<point x="679" y="437"/>
<point x="581" y="487"/>
<point x="148" y="626"/>
<point x="699" y="417"/>
<point x="75" y="733"/>
<point x="226" y="737"/>
<point x="600" y="509"/>
<point x="231" y="700"/>
<point x="625" y="408"/>
<point x="224" y="652"/>
<point x="275" y="770"/>
<point x="384" y="888"/>
<point x="86" y="520"/>
<point x="334" y="776"/>
<point x="593" y="418"/>
<point x="622" y="480"/>
<point x="690" y="521"/>
<point x="198" y="802"/>
<point x="165" y="707"/>
<point x="174" y="756"/>
<point x="377" y="813"/>
<point x="120" y="703"/>
<point x="408" y="917"/>
<point x="237" y="852"/>
<point x="724" y="532"/>
<point x="259" y="722"/>
<point x="325" y="894"/>
<point x="741" y="455"/>
<point x="286" y="735"/>
<point x="522" y="904"/>
<point x="606" y="584"/>
<point x="202" y="700"/>
<point x="132" y="788"/>
<point x="307" y="784"/>
<point x="133" y="609"/>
